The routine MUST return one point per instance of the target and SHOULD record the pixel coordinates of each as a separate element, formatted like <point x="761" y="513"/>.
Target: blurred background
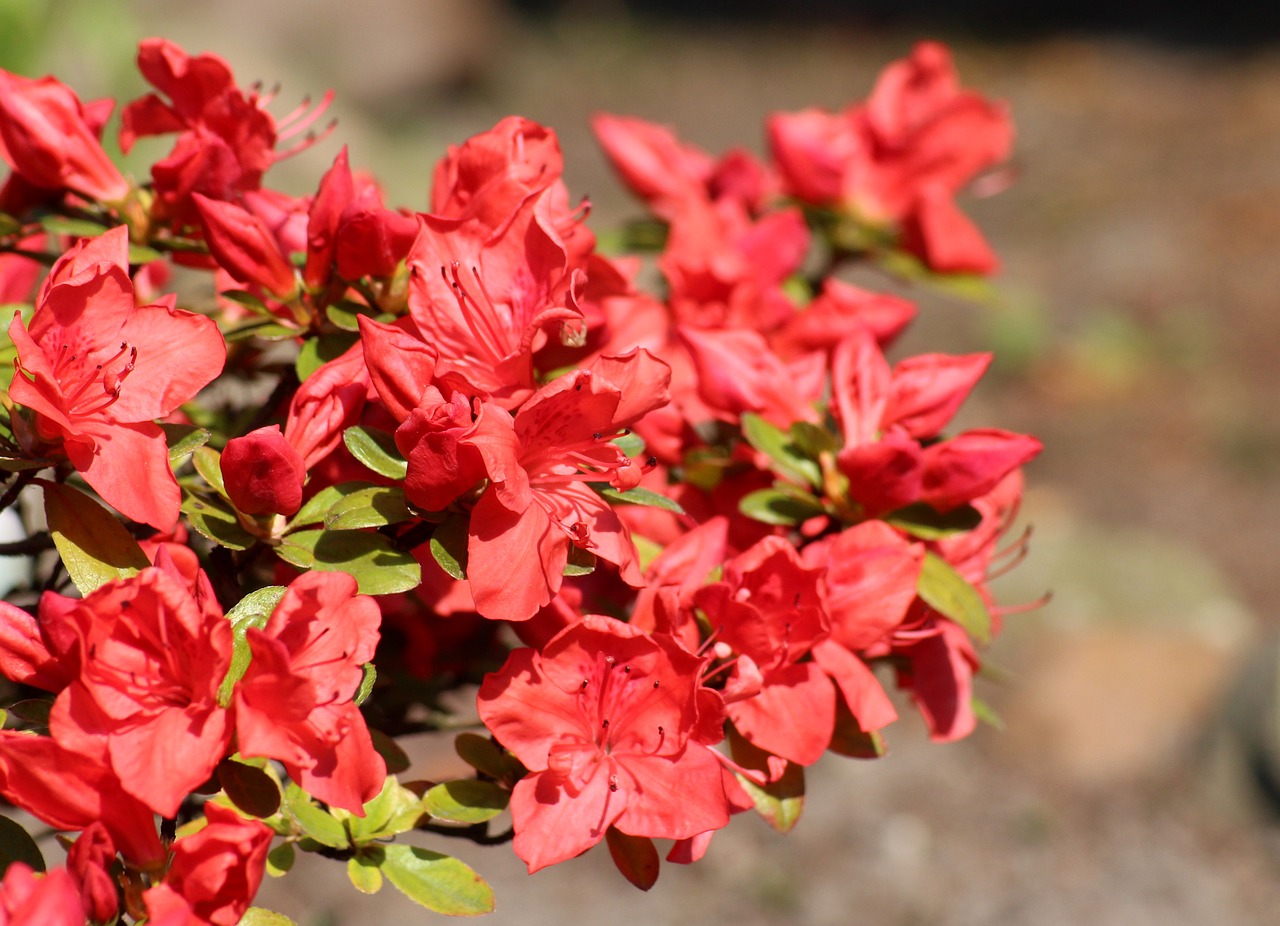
<point x="1137" y="777"/>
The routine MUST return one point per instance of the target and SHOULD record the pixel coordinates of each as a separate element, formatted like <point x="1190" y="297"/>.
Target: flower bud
<point x="263" y="473"/>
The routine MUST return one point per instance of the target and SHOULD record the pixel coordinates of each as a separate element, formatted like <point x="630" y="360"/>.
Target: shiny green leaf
<point x="638" y="496"/>
<point x="364" y="874"/>
<point x="251" y="789"/>
<point x="376" y="506"/>
<point x="436" y="881"/>
<point x="376" y="450"/>
<point x="183" y="439"/>
<point x="782" y="505"/>
<point x="466" y="801"/>
<point x="95" y="547"/>
<point x="785" y="457"/>
<point x="214" y="520"/>
<point x="316" y="507"/>
<point x="259" y="916"/>
<point x="927" y="523"/>
<point x="485" y="756"/>
<point x="948" y="593"/>
<point x="636" y="857"/>
<point x="313" y="820"/>
<point x="280" y="860"/>
<point x="449" y="545"/>
<point x="394" y="810"/>
<point x="780" y="800"/>
<point x="376" y="565"/>
<point x="17" y="845"/>
<point x="316" y="352"/>
<point x="252" y="610"/>
<point x="208" y="463"/>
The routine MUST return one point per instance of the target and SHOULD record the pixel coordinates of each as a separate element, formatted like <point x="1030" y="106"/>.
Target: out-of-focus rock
<point x="1118" y="676"/>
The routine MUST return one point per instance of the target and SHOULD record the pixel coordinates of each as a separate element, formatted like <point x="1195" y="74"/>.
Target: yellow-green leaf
<point x="95" y="547"/>
<point x="436" y="881"/>
<point x="466" y="801"/>
<point x="948" y="593"/>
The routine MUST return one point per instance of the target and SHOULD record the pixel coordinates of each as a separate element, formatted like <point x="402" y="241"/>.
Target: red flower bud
<point x="263" y="473"/>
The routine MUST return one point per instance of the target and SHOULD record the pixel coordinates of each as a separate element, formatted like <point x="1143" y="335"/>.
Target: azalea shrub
<point x="650" y="519"/>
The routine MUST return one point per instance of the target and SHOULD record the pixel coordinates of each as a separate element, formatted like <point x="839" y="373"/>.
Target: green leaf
<point x="214" y="520"/>
<point x="32" y="711"/>
<point x="208" y="463"/>
<point x="252" y="610"/>
<point x="346" y="314"/>
<point x="249" y="788"/>
<point x="95" y="547"/>
<point x="266" y="330"/>
<point x="364" y="874"/>
<point x="316" y="352"/>
<point x="783" y="505"/>
<point x="449" y="545"/>
<point x="986" y="713"/>
<point x="377" y="566"/>
<point x="638" y="496"/>
<point x="779" y="801"/>
<point x="76" y="228"/>
<point x="280" y="860"/>
<point x="466" y="801"/>
<point x="16" y="845"/>
<point x="948" y="593"/>
<point x="483" y="755"/>
<point x="14" y="464"/>
<point x="812" y="440"/>
<point x="631" y="444"/>
<point x="248" y="300"/>
<point x="968" y="286"/>
<point x="394" y="810"/>
<point x="318" y="505"/>
<point x="376" y="450"/>
<point x="397" y="759"/>
<point x="436" y="881"/>
<point x="849" y="739"/>
<point x="635" y="856"/>
<point x="785" y="457"/>
<point x="580" y="562"/>
<point x="183" y="439"/>
<point x="260" y="916"/>
<point x="368" y="675"/>
<point x="141" y="254"/>
<point x="315" y="822"/>
<point x="927" y="523"/>
<point x="376" y="506"/>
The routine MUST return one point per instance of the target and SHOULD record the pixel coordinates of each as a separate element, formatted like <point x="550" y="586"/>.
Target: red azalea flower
<point x="483" y="295"/>
<point x="97" y="370"/>
<point x="769" y="610"/>
<point x="51" y="139"/>
<point x="51" y="899"/>
<point x="538" y="505"/>
<point x="295" y="700"/>
<point x="215" y="872"/>
<point x="151" y="661"/>
<point x="71" y="789"/>
<point x="607" y="719"/>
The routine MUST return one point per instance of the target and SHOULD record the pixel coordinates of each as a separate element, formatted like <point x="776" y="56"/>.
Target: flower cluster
<point x="720" y="523"/>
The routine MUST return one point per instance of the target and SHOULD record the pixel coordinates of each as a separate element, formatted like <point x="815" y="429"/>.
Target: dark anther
<point x="655" y="683"/>
<point x="604" y="724"/>
<point x="613" y="782"/>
